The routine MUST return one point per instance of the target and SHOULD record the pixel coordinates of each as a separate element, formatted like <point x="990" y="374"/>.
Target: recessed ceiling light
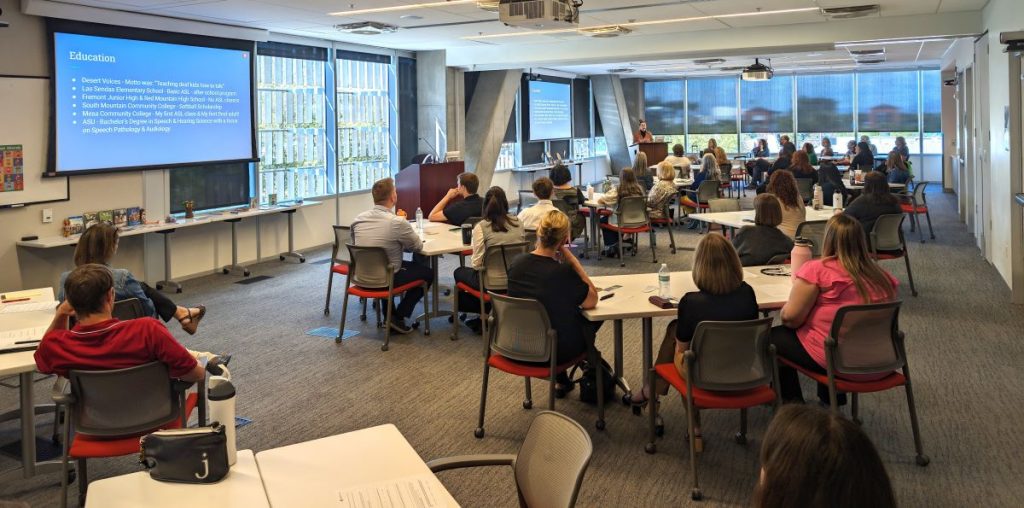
<point x="411" y="16"/>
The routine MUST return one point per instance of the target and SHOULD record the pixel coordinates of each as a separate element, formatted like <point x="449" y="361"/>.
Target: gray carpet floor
<point x="963" y="339"/>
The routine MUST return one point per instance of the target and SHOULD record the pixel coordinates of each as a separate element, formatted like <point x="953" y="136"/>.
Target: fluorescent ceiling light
<point x="394" y="8"/>
<point x="642" y="23"/>
<point x="885" y="42"/>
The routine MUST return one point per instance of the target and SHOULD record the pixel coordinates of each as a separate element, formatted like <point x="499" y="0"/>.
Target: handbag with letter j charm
<point x="186" y="455"/>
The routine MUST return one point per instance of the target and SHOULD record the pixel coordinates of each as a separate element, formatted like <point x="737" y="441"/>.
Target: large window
<point x="824" y="105"/>
<point x="711" y="113"/>
<point x="663" y="107"/>
<point x="291" y="122"/>
<point x="931" y="112"/>
<point x="364" y="112"/>
<point x="887" y="107"/>
<point x="766" y="111"/>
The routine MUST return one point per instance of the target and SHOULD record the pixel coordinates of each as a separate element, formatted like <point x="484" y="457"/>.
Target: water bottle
<point x="800" y="254"/>
<point x="590" y="192"/>
<point x="816" y="200"/>
<point x="837" y="200"/>
<point x="221" y="397"/>
<point x="419" y="219"/>
<point x="664" y="282"/>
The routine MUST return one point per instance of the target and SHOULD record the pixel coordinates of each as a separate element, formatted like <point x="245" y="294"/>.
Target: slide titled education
<point x="125" y="103"/>
<point x="550" y="111"/>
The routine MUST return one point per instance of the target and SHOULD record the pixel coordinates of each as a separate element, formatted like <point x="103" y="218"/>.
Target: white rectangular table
<point x="165" y="228"/>
<point x="23" y="365"/>
<point x="746" y="217"/>
<point x="631" y="301"/>
<point x="439" y="238"/>
<point x="311" y="474"/>
<point x="241" y="488"/>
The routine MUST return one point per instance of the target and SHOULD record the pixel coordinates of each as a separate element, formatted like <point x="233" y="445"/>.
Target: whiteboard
<point x="25" y="121"/>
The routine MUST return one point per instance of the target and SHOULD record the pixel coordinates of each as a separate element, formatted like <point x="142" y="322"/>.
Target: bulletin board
<point x="24" y="138"/>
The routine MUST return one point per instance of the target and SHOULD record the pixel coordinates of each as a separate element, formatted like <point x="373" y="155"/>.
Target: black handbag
<point x="197" y="455"/>
<point x="588" y="382"/>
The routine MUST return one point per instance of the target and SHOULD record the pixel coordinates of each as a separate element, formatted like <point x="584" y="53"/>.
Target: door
<point x="982" y="143"/>
<point x="961" y="142"/>
<point x="969" y="162"/>
<point x="1016" y="144"/>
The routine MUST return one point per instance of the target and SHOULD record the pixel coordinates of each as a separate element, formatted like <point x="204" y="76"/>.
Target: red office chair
<point x="914" y="205"/>
<point x="374" y="277"/>
<point x="521" y="337"/>
<point x="109" y="410"/>
<point x="865" y="339"/>
<point x="632" y="219"/>
<point x="730" y="365"/>
<point x="492" y="277"/>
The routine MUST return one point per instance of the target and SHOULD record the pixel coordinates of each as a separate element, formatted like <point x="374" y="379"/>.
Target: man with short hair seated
<point x="542" y="188"/>
<point x="380" y="227"/>
<point x="456" y="211"/>
<point x="98" y="341"/>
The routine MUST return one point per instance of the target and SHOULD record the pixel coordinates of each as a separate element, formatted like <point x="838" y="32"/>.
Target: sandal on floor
<point x="191" y="323"/>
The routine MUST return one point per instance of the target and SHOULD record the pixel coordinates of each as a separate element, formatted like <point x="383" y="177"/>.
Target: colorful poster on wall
<point x="12" y="168"/>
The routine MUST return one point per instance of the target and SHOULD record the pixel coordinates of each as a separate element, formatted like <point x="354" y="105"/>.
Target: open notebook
<point x="24" y="318"/>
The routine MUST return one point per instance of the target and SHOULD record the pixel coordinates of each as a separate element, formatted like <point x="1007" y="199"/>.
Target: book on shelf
<point x="106" y="216"/>
<point x="120" y="217"/>
<point x="77" y="224"/>
<point x="90" y="219"/>
<point x="134" y="216"/>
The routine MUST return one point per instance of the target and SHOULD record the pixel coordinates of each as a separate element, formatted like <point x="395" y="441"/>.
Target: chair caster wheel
<point x="922" y="460"/>
<point x="338" y="340"/>
<point x="179" y="291"/>
<point x="527" y="404"/>
<point x="740" y="439"/>
<point x="696" y="495"/>
<point x="384" y="347"/>
<point x="225" y="271"/>
<point x="659" y="430"/>
<point x="302" y="260"/>
<point x="651" y="448"/>
<point x="280" y="258"/>
<point x="479" y="433"/>
<point x="599" y="425"/>
<point x="327" y="312"/>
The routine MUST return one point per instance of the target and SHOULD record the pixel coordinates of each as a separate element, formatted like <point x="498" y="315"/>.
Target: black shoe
<point x="398" y="325"/>
<point x="612" y="252"/>
<point x="475" y="325"/>
<point x="561" y="390"/>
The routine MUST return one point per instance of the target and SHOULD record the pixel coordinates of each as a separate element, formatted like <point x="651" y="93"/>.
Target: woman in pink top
<point x="844" y="275"/>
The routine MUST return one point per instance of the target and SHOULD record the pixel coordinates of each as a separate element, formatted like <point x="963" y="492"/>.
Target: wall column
<point x="611" y="106"/>
<point x="432" y="101"/>
<point x="493" y="101"/>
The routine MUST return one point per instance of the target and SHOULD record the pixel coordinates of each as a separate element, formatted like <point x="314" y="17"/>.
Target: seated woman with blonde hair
<point x="662" y="192"/>
<point x="563" y="288"/>
<point x="722" y="295"/>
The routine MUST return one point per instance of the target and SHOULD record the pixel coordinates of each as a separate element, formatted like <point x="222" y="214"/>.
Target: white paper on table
<point x="13" y="308"/>
<point x="10" y="338"/>
<point x="32" y="295"/>
<point x="418" y="491"/>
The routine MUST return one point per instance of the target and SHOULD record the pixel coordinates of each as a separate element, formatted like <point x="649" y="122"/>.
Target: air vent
<point x="605" y="32"/>
<point x="855" y="11"/>
<point x="871" y="60"/>
<point x="367" y="28"/>
<point x="620" y="70"/>
<point x="709" y="61"/>
<point x="732" y="69"/>
<point x="866" y="52"/>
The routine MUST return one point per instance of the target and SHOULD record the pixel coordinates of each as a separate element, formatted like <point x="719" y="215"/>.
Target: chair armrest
<point x="463" y="461"/>
<point x="61" y="392"/>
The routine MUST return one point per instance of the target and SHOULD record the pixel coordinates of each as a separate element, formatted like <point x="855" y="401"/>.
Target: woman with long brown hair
<point x="846" y="274"/>
<point x="497" y="227"/>
<point x="628" y="187"/>
<point x="818" y="459"/>
<point x="642" y="171"/>
<point x="802" y="168"/>
<point x="98" y="245"/>
<point x="783" y="185"/>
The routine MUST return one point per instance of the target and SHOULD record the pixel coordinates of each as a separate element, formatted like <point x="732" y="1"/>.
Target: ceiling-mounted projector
<point x="539" y="14"/>
<point x="757" y="72"/>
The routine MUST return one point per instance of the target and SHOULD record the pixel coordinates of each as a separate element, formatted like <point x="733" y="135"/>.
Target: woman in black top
<point x="831" y="181"/>
<point x="722" y="296"/>
<point x="758" y="244"/>
<point x="563" y="288"/>
<point x="874" y="200"/>
<point x="802" y="168"/>
<point x="864" y="158"/>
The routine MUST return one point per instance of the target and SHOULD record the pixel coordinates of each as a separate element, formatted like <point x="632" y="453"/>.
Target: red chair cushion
<point x="706" y="399"/>
<point x="529" y="370"/>
<point x="340" y="268"/>
<point x="686" y="201"/>
<point x="613" y="227"/>
<point x="89" y="447"/>
<point x="661" y="221"/>
<point x="462" y="286"/>
<point x="467" y="252"/>
<point x="383" y="293"/>
<point x="845" y="385"/>
<point x="909" y="208"/>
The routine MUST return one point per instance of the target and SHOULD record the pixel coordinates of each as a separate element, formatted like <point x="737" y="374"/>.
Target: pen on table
<point x="27" y="342"/>
<point x="607" y="296"/>
<point x="16" y="300"/>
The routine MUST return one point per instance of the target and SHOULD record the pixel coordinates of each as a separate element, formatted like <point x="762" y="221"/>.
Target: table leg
<point x="259" y="243"/>
<point x="579" y="173"/>
<point x="29" y="466"/>
<point x="234" y="267"/>
<point x="619" y="379"/>
<point x="291" y="254"/>
<point x="167" y="283"/>
<point x="648" y="325"/>
<point x="594" y="231"/>
<point x="432" y="307"/>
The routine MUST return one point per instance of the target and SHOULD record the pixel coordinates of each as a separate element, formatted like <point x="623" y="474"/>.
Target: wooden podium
<point x="656" y="152"/>
<point x="423" y="185"/>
